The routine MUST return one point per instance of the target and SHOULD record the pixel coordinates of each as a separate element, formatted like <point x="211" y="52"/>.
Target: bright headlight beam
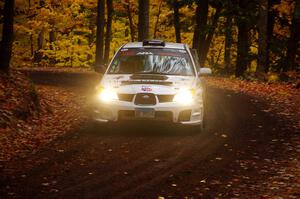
<point x="107" y="95"/>
<point x="184" y="97"/>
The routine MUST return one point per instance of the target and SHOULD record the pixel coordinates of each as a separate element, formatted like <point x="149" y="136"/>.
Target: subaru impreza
<point x="153" y="81"/>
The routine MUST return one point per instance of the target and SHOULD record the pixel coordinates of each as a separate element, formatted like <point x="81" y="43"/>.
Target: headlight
<point x="185" y="97"/>
<point x="107" y="95"/>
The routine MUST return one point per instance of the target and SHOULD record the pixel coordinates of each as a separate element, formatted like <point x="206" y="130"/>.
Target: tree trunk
<point x="7" y="35"/>
<point x="271" y="23"/>
<point x="143" y="27"/>
<point x="176" y="21"/>
<point x="242" y="49"/>
<point x="263" y="39"/>
<point x="131" y="25"/>
<point x="243" y="41"/>
<point x="51" y="41"/>
<point x="211" y="31"/>
<point x="293" y="43"/>
<point x="41" y="39"/>
<point x="31" y="35"/>
<point x="100" y="33"/>
<point x="228" y="43"/>
<point x="51" y="38"/>
<point x="31" y="45"/>
<point x="157" y="19"/>
<point x="109" y="4"/>
<point x="201" y="23"/>
<point x="40" y="43"/>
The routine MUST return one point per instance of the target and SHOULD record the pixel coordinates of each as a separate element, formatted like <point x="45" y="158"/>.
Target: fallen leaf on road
<point x="45" y="184"/>
<point x="54" y="190"/>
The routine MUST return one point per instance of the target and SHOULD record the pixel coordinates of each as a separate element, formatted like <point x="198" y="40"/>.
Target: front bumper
<point x="167" y="112"/>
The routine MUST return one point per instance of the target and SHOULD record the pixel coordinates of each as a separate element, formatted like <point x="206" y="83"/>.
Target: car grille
<point x="140" y="100"/>
<point x="126" y="97"/>
<point x="166" y="116"/>
<point x="165" y="98"/>
<point x="145" y="99"/>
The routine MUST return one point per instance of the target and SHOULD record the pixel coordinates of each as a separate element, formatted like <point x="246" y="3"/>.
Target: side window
<point x="195" y="57"/>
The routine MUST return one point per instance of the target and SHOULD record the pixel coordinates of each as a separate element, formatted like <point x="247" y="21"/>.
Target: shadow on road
<point x="64" y="79"/>
<point x="143" y="129"/>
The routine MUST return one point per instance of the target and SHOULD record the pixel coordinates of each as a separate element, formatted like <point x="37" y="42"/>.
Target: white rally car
<point x="154" y="81"/>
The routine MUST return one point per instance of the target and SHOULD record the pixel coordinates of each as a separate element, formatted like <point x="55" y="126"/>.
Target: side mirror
<point x="204" y="71"/>
<point x="100" y="69"/>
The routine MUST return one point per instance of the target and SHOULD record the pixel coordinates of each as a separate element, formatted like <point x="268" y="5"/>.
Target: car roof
<point x="167" y="45"/>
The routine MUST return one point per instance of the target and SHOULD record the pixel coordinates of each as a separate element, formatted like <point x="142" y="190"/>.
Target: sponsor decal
<point x="144" y="53"/>
<point x="146" y="88"/>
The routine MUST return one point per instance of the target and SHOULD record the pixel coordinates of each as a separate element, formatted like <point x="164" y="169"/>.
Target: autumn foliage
<point x="63" y="33"/>
<point x="31" y="116"/>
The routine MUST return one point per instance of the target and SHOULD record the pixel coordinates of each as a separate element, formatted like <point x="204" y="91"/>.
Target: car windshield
<point x="152" y="61"/>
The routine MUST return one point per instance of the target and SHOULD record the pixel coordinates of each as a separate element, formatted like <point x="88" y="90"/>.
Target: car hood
<point x="166" y="84"/>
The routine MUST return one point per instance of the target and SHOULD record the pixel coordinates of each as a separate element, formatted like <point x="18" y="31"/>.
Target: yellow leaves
<point x="44" y="12"/>
<point x="88" y="3"/>
<point x="284" y="8"/>
<point x="273" y="78"/>
<point x="79" y="16"/>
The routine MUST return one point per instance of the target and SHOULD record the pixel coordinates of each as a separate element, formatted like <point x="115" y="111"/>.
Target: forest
<point x="238" y="38"/>
<point x="69" y="131"/>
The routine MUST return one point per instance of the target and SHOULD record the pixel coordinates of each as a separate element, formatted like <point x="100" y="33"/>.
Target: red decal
<point x="146" y="88"/>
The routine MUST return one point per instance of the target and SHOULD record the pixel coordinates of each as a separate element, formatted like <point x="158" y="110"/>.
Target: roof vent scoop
<point x="153" y="42"/>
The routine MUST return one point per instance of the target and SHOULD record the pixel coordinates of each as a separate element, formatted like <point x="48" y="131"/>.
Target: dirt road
<point x="152" y="161"/>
